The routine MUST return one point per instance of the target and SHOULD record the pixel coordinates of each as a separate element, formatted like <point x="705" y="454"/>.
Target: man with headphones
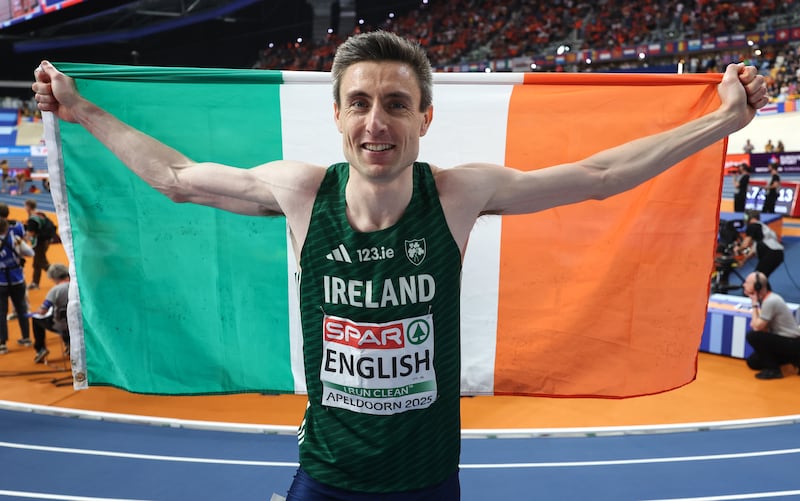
<point x="774" y="334"/>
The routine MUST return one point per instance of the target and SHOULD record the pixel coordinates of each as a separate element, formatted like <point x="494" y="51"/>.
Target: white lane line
<point x="149" y="457"/>
<point x="753" y="495"/>
<point x="557" y="464"/>
<point x="613" y="462"/>
<point x="41" y="495"/>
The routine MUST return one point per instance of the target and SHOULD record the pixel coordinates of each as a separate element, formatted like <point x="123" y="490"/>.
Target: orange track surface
<point x="725" y="389"/>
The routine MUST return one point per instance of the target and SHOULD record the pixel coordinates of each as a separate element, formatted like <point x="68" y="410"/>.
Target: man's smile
<point x="377" y="147"/>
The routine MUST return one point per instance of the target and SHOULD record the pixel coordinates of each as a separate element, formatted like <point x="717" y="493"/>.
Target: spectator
<point x="748" y="147"/>
<point x="769" y="147"/>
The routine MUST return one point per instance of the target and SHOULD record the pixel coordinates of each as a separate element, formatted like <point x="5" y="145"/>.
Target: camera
<point x="725" y="262"/>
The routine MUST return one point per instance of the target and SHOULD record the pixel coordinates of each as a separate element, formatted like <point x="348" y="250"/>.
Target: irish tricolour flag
<point x="604" y="298"/>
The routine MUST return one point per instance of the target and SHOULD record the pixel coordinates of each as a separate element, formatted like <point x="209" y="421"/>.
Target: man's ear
<point x="426" y="121"/>
<point x="336" y="116"/>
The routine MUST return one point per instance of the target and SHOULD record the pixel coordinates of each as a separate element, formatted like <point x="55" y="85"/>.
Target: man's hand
<point x="736" y="79"/>
<point x="55" y="91"/>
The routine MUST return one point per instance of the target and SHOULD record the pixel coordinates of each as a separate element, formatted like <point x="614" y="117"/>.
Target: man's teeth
<point x="377" y="147"/>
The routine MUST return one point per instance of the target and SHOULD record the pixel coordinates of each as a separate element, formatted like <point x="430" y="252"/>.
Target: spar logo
<point x="418" y="331"/>
<point x="362" y="336"/>
<point x="388" y="336"/>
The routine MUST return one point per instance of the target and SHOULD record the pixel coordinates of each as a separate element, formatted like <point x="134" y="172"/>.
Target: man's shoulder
<point x="465" y="177"/>
<point x="291" y="174"/>
<point x="59" y="290"/>
<point x="774" y="299"/>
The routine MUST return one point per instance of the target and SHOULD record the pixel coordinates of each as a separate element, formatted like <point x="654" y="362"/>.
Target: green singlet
<point x="380" y="316"/>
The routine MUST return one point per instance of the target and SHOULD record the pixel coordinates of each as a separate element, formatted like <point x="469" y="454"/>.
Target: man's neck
<point x="373" y="206"/>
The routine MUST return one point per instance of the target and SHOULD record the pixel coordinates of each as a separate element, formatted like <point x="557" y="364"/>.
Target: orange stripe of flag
<point x="607" y="298"/>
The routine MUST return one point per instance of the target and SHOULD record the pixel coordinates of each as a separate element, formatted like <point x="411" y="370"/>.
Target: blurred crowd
<point x="464" y="31"/>
<point x="472" y="31"/>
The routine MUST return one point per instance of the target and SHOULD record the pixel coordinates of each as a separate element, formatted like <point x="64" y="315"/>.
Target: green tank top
<point x="380" y="317"/>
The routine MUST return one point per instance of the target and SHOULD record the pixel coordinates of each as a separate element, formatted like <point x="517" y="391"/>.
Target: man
<point x="12" y="283"/>
<point x="41" y="231"/>
<point x="773" y="189"/>
<point x="382" y="198"/>
<point x="740" y="183"/>
<point x="4" y="169"/>
<point x="16" y="228"/>
<point x="774" y="334"/>
<point x="52" y="314"/>
<point x="24" y="176"/>
<point x="760" y="237"/>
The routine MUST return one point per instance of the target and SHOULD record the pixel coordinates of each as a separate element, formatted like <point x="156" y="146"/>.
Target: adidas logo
<point x="339" y="254"/>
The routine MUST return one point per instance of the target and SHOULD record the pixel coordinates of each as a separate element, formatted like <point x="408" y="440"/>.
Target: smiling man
<point x="381" y="238"/>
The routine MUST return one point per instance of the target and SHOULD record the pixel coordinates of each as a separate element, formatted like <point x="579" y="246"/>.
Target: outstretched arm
<point x="509" y="191"/>
<point x="268" y="189"/>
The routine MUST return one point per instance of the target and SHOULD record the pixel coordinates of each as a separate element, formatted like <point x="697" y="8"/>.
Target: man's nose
<point x="376" y="120"/>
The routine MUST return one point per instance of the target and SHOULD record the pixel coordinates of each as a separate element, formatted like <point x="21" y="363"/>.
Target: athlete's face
<point x="379" y="118"/>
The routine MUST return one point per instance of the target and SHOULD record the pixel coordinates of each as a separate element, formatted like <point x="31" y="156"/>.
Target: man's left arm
<point x="742" y="91"/>
<point x="757" y="321"/>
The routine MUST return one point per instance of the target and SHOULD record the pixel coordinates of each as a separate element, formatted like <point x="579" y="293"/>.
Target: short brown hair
<point x="384" y="46"/>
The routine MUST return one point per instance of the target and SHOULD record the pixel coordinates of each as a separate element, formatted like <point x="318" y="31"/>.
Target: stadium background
<point x="724" y="389"/>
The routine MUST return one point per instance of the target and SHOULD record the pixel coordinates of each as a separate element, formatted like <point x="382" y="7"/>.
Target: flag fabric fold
<point x="601" y="298"/>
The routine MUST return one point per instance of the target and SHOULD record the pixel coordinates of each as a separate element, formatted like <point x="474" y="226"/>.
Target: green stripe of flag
<point x="178" y="298"/>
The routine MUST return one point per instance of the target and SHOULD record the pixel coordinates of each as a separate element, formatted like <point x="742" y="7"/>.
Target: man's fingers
<point x="42" y="90"/>
<point x="43" y="98"/>
<point x="41" y="76"/>
<point x="732" y="71"/>
<point x="748" y="75"/>
<point x="757" y="92"/>
<point x="45" y="72"/>
<point x="759" y="103"/>
<point x="46" y="106"/>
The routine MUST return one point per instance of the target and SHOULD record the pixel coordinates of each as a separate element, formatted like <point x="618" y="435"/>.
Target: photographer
<point x="760" y="237"/>
<point x="52" y="314"/>
<point x="774" y="334"/>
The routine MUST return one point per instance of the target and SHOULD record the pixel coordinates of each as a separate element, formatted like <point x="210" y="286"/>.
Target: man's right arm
<point x="269" y="189"/>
